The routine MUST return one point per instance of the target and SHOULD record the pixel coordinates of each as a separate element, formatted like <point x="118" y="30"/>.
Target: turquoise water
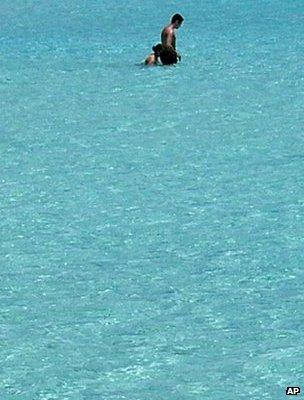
<point x="152" y="218"/>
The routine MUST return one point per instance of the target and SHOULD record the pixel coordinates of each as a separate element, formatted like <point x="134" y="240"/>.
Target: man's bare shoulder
<point x="167" y="30"/>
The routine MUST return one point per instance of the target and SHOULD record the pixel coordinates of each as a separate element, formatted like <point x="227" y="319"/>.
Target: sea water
<point x="152" y="226"/>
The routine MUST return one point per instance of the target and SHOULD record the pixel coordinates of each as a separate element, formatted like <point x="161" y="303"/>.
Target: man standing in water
<point x="169" y="55"/>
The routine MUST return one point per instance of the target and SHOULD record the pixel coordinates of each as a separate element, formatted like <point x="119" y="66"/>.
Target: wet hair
<point x="157" y="48"/>
<point x="177" y="17"/>
<point x="168" y="56"/>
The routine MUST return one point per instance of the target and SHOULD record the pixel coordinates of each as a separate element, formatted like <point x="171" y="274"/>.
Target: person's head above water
<point x="157" y="49"/>
<point x="153" y="59"/>
<point x="177" y="20"/>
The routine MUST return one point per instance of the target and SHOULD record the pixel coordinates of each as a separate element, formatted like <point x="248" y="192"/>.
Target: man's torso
<point x="168" y="37"/>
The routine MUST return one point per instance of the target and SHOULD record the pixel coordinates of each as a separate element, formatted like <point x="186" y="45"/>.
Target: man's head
<point x="177" y="20"/>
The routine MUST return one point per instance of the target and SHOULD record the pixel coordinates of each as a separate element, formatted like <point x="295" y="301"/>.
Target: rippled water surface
<point x="152" y="226"/>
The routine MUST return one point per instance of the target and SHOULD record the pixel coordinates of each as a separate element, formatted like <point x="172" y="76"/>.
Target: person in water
<point x="154" y="58"/>
<point x="169" y="55"/>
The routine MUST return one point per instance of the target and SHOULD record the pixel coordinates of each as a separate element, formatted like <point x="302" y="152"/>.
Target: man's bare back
<point x="168" y="37"/>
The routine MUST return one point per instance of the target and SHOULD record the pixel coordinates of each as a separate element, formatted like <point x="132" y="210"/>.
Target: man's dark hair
<point x="177" y="17"/>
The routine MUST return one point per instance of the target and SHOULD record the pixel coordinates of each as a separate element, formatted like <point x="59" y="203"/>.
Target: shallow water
<point x="151" y="218"/>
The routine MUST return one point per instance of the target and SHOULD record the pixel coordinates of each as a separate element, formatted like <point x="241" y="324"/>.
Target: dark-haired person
<point x="153" y="58"/>
<point x="168" y="37"/>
